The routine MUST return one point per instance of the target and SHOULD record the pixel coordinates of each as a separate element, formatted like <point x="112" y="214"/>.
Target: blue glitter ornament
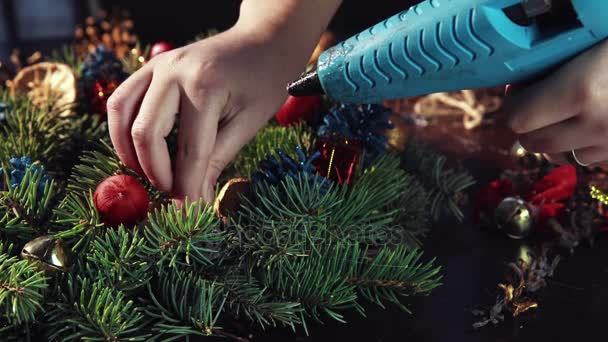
<point x="19" y="168"/>
<point x="273" y="170"/>
<point x="102" y="64"/>
<point x="363" y="123"/>
<point x="101" y="73"/>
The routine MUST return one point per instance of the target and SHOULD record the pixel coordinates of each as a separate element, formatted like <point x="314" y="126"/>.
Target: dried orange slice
<point x="48" y="85"/>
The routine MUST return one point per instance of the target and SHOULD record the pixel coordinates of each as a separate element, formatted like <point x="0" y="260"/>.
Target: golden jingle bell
<point x="49" y="251"/>
<point x="514" y="217"/>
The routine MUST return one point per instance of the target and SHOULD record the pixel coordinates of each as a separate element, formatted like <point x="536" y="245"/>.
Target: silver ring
<point x="578" y="161"/>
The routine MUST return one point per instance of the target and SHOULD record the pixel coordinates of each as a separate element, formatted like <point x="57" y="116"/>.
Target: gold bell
<point x="49" y="251"/>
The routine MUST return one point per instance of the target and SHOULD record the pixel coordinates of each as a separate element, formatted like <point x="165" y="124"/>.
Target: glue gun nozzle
<point x="307" y="85"/>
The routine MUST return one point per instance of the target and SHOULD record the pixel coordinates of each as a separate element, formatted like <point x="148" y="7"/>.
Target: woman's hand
<point x="224" y="89"/>
<point x="566" y="111"/>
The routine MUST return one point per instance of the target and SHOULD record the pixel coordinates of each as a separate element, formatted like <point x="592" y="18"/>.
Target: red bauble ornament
<point x="99" y="94"/>
<point x="121" y="199"/>
<point x="158" y="48"/>
<point x="297" y="109"/>
<point x="339" y="158"/>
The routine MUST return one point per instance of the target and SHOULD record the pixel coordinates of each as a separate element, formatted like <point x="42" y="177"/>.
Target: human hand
<point x="225" y="88"/>
<point x="566" y="111"/>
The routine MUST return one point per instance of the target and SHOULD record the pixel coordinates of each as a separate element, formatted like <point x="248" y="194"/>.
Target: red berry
<point x="158" y="48"/>
<point x="298" y="109"/>
<point x="121" y="199"/>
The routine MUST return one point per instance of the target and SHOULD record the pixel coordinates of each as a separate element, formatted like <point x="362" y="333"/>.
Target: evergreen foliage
<point x="299" y="250"/>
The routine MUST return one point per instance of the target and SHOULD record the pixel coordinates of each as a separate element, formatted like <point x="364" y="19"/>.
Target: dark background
<point x="33" y="25"/>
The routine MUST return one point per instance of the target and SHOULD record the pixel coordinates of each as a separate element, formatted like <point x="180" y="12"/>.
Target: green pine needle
<point x="185" y="305"/>
<point x="266" y="142"/>
<point x="91" y="311"/>
<point x="21" y="288"/>
<point x="180" y="238"/>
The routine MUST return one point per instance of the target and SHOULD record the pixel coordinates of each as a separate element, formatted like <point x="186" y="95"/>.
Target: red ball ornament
<point x="121" y="199"/>
<point x="297" y="109"/>
<point x="158" y="48"/>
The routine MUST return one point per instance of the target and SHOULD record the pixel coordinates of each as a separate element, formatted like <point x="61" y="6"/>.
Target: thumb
<point x="230" y="139"/>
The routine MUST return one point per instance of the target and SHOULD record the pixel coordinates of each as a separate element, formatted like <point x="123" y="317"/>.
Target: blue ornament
<point x="4" y="111"/>
<point x="364" y="123"/>
<point x="273" y="170"/>
<point x="100" y="68"/>
<point x="102" y="64"/>
<point x="19" y="168"/>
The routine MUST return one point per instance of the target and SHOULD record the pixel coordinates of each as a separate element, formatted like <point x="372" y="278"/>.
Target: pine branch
<point x="375" y="190"/>
<point x="266" y="142"/>
<point x="24" y="211"/>
<point x="90" y="311"/>
<point x="136" y="58"/>
<point x="185" y="305"/>
<point x="114" y="260"/>
<point x="246" y="299"/>
<point x="98" y="164"/>
<point x="78" y="218"/>
<point x="21" y="288"/>
<point x="318" y="281"/>
<point x="394" y="273"/>
<point x="67" y="55"/>
<point x="177" y="237"/>
<point x="95" y="166"/>
<point x="31" y="131"/>
<point x="443" y="184"/>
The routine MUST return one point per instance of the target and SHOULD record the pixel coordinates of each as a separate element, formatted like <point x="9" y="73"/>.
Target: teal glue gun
<point x="448" y="45"/>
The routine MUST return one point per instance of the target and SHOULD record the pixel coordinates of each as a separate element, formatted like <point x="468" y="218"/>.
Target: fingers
<point x="199" y="118"/>
<point x="592" y="155"/>
<point x="542" y="104"/>
<point x="122" y="109"/>
<point x="566" y="111"/>
<point x="231" y="138"/>
<point x="560" y="96"/>
<point x="153" y="123"/>
<point x="565" y="136"/>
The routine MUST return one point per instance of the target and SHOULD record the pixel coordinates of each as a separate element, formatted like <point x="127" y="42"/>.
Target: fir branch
<point x="412" y="216"/>
<point x="375" y="190"/>
<point x="443" y="184"/>
<point x="319" y="281"/>
<point x="98" y="164"/>
<point x="267" y="142"/>
<point x="90" y="311"/>
<point x="24" y="211"/>
<point x="31" y="131"/>
<point x="394" y="273"/>
<point x="21" y="288"/>
<point x="182" y="237"/>
<point x="246" y="299"/>
<point x="185" y="305"/>
<point x="67" y="55"/>
<point x="79" y="220"/>
<point x="95" y="166"/>
<point x="114" y="260"/>
<point x="136" y="58"/>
